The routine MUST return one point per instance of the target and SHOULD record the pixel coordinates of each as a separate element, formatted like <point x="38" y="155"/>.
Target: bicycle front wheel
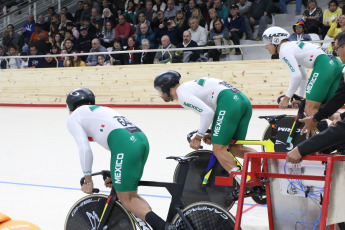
<point x="205" y="216"/>
<point x="194" y="192"/>
<point x="86" y="214"/>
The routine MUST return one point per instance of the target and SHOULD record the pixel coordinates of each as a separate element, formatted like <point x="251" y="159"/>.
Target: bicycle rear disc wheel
<point x="86" y="213"/>
<point x="205" y="216"/>
<point x="284" y="128"/>
<point x="194" y="192"/>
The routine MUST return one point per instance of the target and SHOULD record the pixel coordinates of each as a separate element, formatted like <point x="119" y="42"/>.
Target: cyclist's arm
<point x="191" y="102"/>
<point x="85" y="152"/>
<point x="296" y="75"/>
<point x="333" y="104"/>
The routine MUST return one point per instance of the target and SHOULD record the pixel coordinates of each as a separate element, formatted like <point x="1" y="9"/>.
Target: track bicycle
<point x="102" y="212"/>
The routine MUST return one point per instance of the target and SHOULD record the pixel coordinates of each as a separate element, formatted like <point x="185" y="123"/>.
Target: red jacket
<point x="125" y="29"/>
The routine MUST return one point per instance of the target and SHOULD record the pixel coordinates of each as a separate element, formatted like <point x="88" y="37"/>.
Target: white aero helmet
<point x="274" y="35"/>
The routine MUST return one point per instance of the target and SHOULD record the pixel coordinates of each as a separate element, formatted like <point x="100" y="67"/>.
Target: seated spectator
<point x="96" y="47"/>
<point x="189" y="8"/>
<point x="141" y="20"/>
<point x="42" y="45"/>
<point x="51" y="13"/>
<point x="222" y="11"/>
<point x="236" y="26"/>
<point x="70" y="26"/>
<point x="10" y="38"/>
<point x="28" y="29"/>
<point x="77" y="61"/>
<point x="109" y="35"/>
<point x="86" y="13"/>
<point x="63" y="21"/>
<point x="38" y="31"/>
<point x="148" y="11"/>
<point x="336" y="27"/>
<point x="69" y="35"/>
<point x="117" y="59"/>
<point x="54" y="30"/>
<point x="78" y="12"/>
<point x="199" y="34"/>
<point x="68" y="45"/>
<point x="35" y="62"/>
<point x="146" y="33"/>
<point x="63" y="59"/>
<point x="130" y="12"/>
<point x="169" y="28"/>
<point x="158" y="22"/>
<point x="45" y="25"/>
<point x="258" y="15"/>
<point x="55" y="20"/>
<point x="313" y="17"/>
<point x="13" y="63"/>
<point x="196" y="13"/>
<point x="105" y="4"/>
<point x="99" y="29"/>
<point x="298" y="6"/>
<point x="330" y="15"/>
<point x="181" y="20"/>
<point x="58" y="40"/>
<point x="85" y="40"/>
<point x="123" y="30"/>
<point x="188" y="55"/>
<point x="92" y="30"/>
<point x="131" y="58"/>
<point x="55" y="50"/>
<point x="101" y="61"/>
<point x="160" y="5"/>
<point x="50" y="62"/>
<point x="95" y="17"/>
<point x="146" y="57"/>
<point x="68" y="14"/>
<point x="244" y="6"/>
<point x="107" y="16"/>
<point x="213" y="16"/>
<point x="172" y="9"/>
<point x="299" y="32"/>
<point x="219" y="36"/>
<point x="165" y="56"/>
<point x="93" y="4"/>
<point x="25" y="61"/>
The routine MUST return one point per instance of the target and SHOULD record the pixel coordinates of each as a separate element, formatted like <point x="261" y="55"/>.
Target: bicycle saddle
<point x="273" y="117"/>
<point x="183" y="158"/>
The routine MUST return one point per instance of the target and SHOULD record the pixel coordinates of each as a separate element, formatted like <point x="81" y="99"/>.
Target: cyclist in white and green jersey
<point x="129" y="149"/>
<point x="298" y="57"/>
<point x="220" y="106"/>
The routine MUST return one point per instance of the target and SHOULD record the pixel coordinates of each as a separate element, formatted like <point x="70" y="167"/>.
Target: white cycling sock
<point x="237" y="177"/>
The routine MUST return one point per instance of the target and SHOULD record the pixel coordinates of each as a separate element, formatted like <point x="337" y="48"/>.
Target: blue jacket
<point x="29" y="29"/>
<point x="149" y="36"/>
<point x="93" y="58"/>
<point x="37" y="62"/>
<point x="237" y="23"/>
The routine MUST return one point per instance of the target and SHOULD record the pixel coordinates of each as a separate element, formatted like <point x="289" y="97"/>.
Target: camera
<point x="166" y="23"/>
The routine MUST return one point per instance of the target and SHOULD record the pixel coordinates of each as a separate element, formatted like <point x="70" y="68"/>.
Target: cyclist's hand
<point x="207" y="138"/>
<point x="108" y="183"/>
<point x="87" y="188"/>
<point x="309" y="126"/>
<point x="284" y="102"/>
<point x="294" y="156"/>
<point x="195" y="142"/>
<point x="295" y="104"/>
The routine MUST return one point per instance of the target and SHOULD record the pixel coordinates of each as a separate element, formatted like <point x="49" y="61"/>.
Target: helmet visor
<point x="159" y="90"/>
<point x="267" y="40"/>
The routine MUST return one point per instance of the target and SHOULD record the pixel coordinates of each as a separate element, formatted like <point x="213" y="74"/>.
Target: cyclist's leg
<point x="134" y="203"/>
<point x="311" y="107"/>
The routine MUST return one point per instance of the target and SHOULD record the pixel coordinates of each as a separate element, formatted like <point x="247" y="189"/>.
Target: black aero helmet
<point x="78" y="97"/>
<point x="166" y="80"/>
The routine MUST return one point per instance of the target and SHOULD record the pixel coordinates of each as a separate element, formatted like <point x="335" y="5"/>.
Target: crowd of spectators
<point x="116" y="25"/>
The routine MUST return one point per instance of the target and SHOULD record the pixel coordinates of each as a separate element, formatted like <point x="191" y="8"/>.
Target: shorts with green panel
<point x="324" y="80"/>
<point x="129" y="152"/>
<point x="231" y="118"/>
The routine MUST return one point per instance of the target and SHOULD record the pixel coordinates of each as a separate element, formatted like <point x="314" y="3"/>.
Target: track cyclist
<point x="129" y="151"/>
<point x="218" y="103"/>
<point x="298" y="57"/>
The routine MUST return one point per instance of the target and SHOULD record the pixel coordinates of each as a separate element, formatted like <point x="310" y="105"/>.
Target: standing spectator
<point x="163" y="57"/>
<point x="244" y="6"/>
<point x="38" y="31"/>
<point x="109" y="35"/>
<point x="35" y="62"/>
<point x="160" y="5"/>
<point x="50" y="62"/>
<point x="10" y="38"/>
<point x="169" y="28"/>
<point x="95" y="17"/>
<point x="189" y="55"/>
<point x="130" y="12"/>
<point x="222" y="11"/>
<point x="101" y="61"/>
<point x="199" y="34"/>
<point x="172" y="9"/>
<point x="117" y="59"/>
<point x="148" y="11"/>
<point x="85" y="40"/>
<point x="298" y="6"/>
<point x="330" y="15"/>
<point x="196" y="13"/>
<point x="236" y="26"/>
<point x="313" y="17"/>
<point x="28" y="29"/>
<point x="45" y="25"/>
<point x="146" y="33"/>
<point x="68" y="14"/>
<point x="181" y="21"/>
<point x="13" y="63"/>
<point x="299" y="32"/>
<point x="123" y="30"/>
<point x="141" y="20"/>
<point x="131" y="58"/>
<point x="78" y="12"/>
<point x="219" y="36"/>
<point x="96" y="47"/>
<point x="146" y="57"/>
<point x="258" y="15"/>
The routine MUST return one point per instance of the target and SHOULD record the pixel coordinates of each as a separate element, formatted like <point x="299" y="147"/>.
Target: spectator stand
<point x="290" y="188"/>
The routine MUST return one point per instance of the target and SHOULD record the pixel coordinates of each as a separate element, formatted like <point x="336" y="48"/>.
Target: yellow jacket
<point x="328" y="16"/>
<point x="332" y="32"/>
